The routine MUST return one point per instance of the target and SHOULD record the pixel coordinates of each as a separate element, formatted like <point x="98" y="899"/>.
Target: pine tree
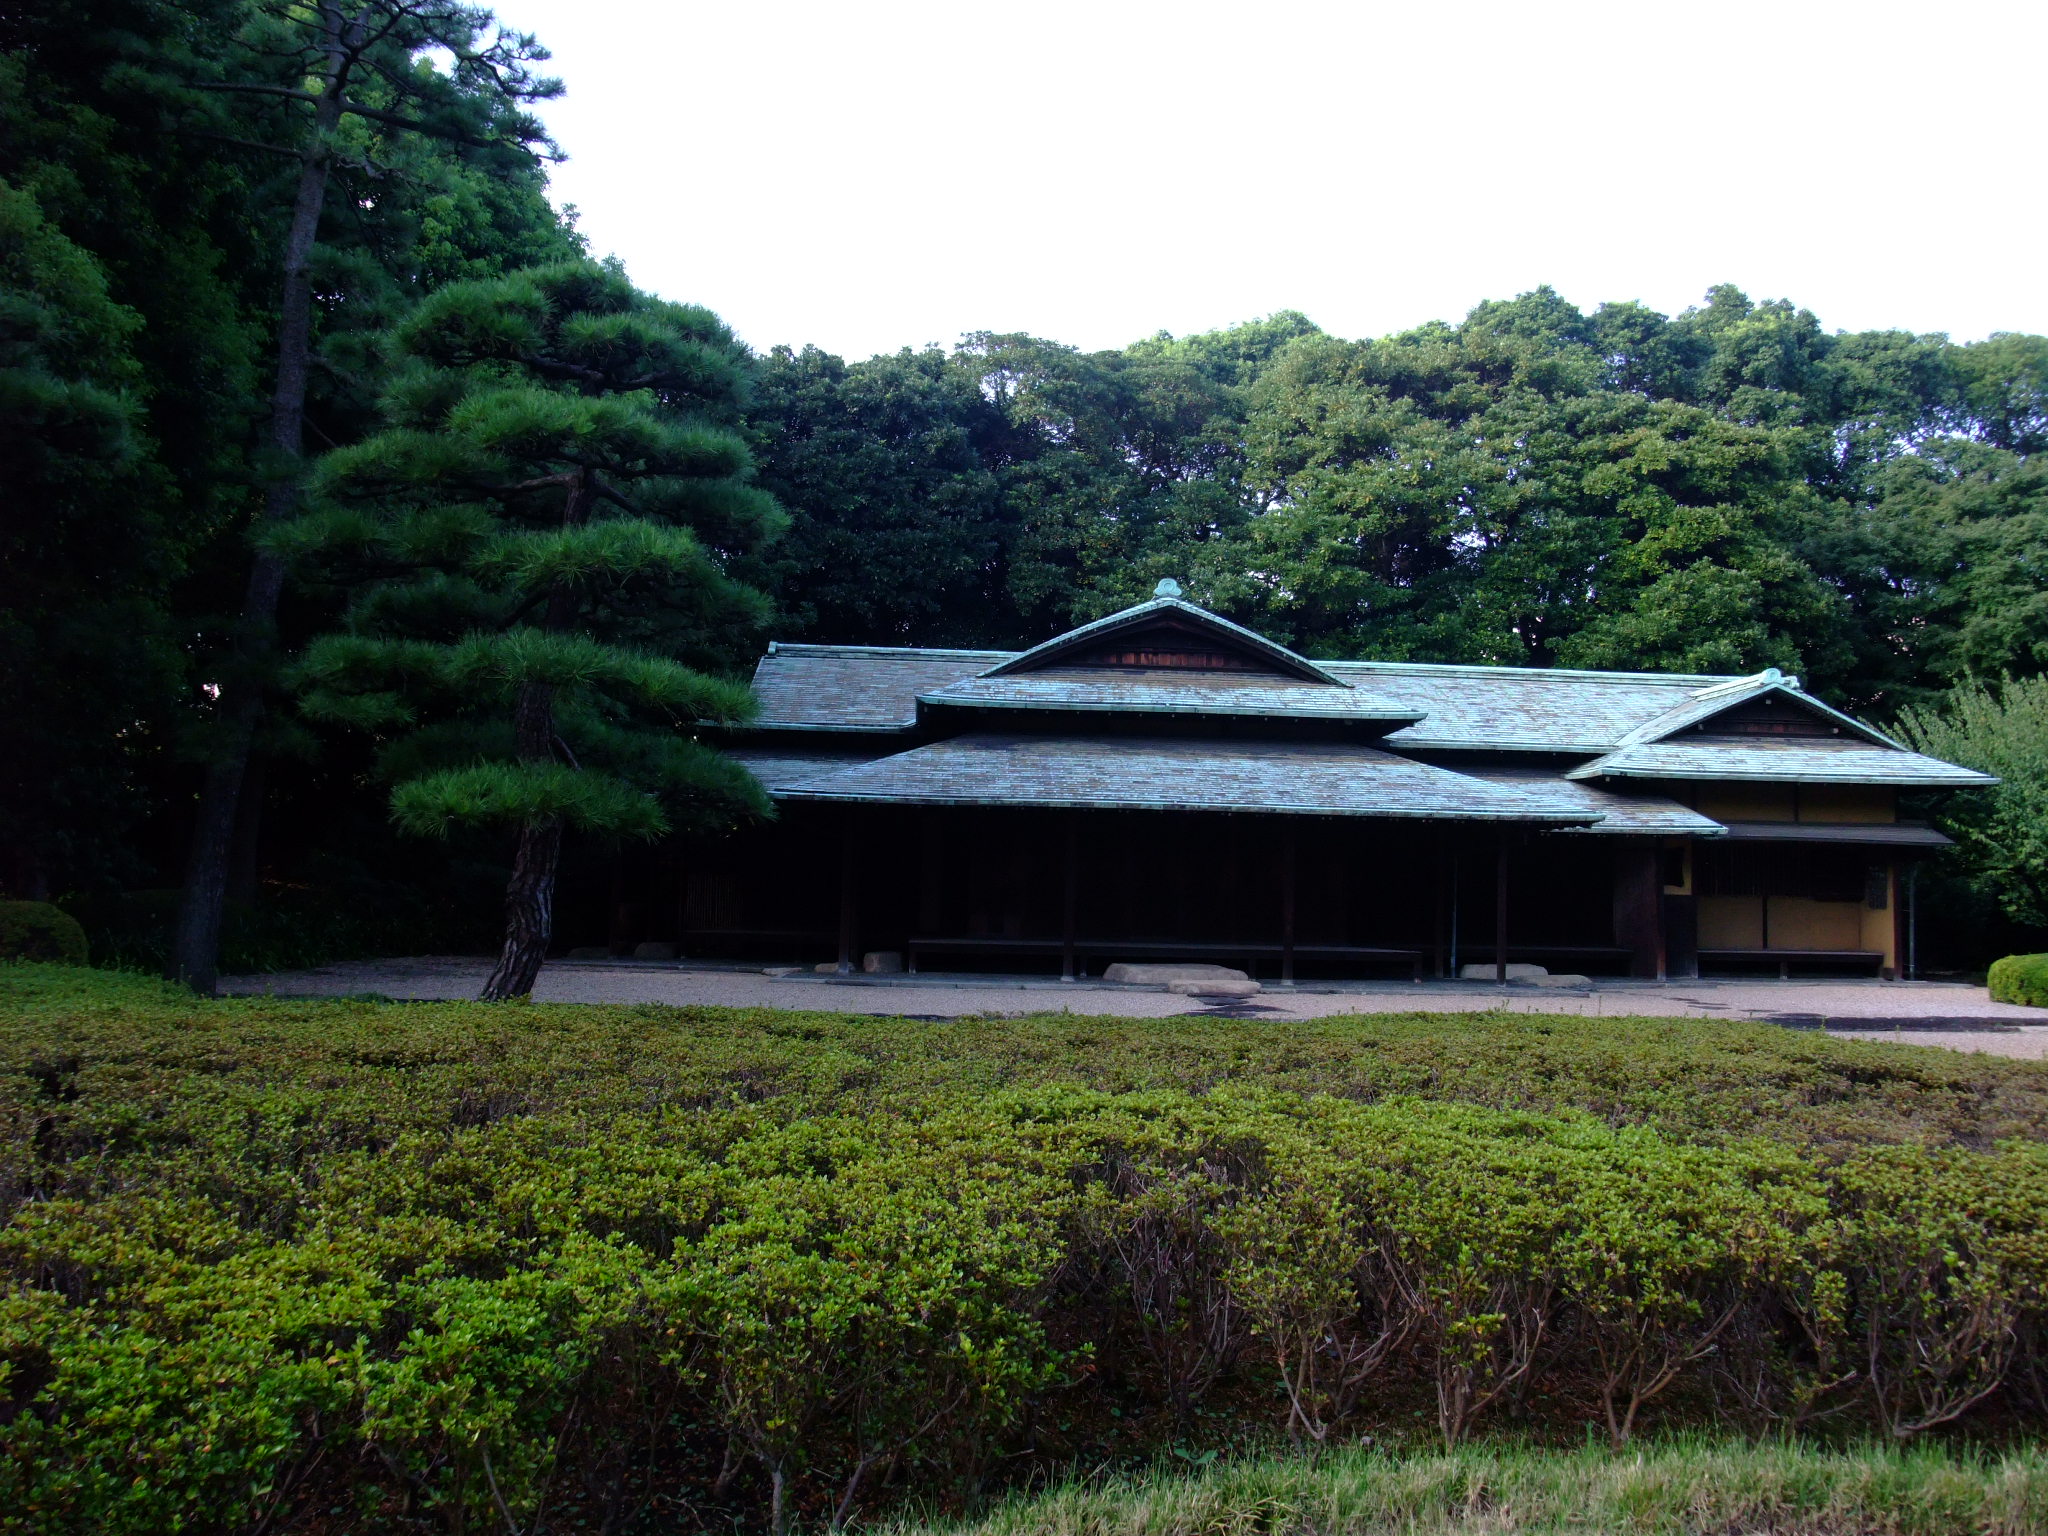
<point x="550" y="509"/>
<point x="335" y="72"/>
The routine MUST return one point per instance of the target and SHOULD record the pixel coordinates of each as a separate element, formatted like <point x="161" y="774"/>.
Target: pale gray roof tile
<point x="1624" y="813"/>
<point x="1131" y="690"/>
<point x="1788" y="760"/>
<point x="1150" y="773"/>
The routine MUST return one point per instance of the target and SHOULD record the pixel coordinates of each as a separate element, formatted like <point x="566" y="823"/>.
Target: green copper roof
<point x="1626" y="813"/>
<point x="1163" y="690"/>
<point x="1152" y="773"/>
<point x="1784" y="760"/>
<point x="1627" y="723"/>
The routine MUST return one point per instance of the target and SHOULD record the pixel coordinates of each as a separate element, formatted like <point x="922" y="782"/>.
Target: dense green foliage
<point x="447" y="1266"/>
<point x="2020" y="979"/>
<point x="1725" y="488"/>
<point x="557" y="479"/>
<point x="35" y="930"/>
<point x="149" y="162"/>
<point x="1721" y="490"/>
<point x="2002" y="832"/>
<point x="1679" y="1487"/>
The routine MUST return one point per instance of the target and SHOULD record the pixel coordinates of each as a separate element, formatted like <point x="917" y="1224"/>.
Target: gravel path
<point x="1922" y="1013"/>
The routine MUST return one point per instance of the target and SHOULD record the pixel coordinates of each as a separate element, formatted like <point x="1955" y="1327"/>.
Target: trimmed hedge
<point x="2020" y="979"/>
<point x="35" y="930"/>
<point x="448" y="1266"/>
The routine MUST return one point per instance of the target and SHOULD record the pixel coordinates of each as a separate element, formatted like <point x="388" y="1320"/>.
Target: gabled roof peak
<point x="1166" y="610"/>
<point x="1770" y="677"/>
<point x="1718" y="699"/>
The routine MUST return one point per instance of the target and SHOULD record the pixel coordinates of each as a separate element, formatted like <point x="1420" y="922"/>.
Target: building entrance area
<point x="1067" y="893"/>
<point x="1162" y="783"/>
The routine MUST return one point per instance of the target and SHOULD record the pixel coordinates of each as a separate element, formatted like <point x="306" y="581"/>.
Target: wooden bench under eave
<point x="1785" y="959"/>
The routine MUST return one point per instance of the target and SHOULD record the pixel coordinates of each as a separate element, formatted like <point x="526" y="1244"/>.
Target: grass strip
<point x="1676" y="1487"/>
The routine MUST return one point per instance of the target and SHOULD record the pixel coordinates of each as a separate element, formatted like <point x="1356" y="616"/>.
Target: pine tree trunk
<point x="529" y="912"/>
<point x="530" y="896"/>
<point x="196" y="954"/>
<point x="245" y="857"/>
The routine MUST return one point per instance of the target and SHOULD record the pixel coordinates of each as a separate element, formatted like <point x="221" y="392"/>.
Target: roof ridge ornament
<point x="1770" y="677"/>
<point x="1167" y="587"/>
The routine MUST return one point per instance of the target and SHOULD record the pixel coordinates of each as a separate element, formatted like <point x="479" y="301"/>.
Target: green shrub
<point x="35" y="930"/>
<point x="268" y="1263"/>
<point x="2020" y="979"/>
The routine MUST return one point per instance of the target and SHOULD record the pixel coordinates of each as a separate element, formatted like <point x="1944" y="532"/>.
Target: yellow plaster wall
<point x="1746" y="802"/>
<point x="1848" y="802"/>
<point x="1731" y="922"/>
<point x="1799" y="922"/>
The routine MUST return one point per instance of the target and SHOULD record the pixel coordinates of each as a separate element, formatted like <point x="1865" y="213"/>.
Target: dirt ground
<point x="1946" y="1014"/>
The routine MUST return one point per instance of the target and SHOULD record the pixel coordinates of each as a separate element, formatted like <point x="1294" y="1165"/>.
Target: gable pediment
<point x="1167" y="635"/>
<point x="1769" y="714"/>
<point x="1171" y="645"/>
<point x="1767" y="706"/>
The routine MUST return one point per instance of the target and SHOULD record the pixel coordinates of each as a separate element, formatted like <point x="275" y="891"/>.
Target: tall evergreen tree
<point x="545" y="521"/>
<point x="338" y="75"/>
<point x="86" y="652"/>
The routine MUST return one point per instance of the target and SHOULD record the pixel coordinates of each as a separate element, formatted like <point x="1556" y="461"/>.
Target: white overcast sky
<point x="873" y="176"/>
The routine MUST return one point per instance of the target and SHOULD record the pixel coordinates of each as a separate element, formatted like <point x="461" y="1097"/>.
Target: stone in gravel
<point x="1516" y="972"/>
<point x="881" y="962"/>
<point x="1214" y="986"/>
<point x="654" y="951"/>
<point x="1159" y="975"/>
<point x="1561" y="979"/>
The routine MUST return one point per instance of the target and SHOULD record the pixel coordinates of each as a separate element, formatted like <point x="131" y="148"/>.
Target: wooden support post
<point x="846" y="852"/>
<point x="1288" y="845"/>
<point x="1443" y="910"/>
<point x="1071" y="905"/>
<point x="683" y="902"/>
<point x="1638" y="907"/>
<point x="1500" y="914"/>
<point x="615" y="930"/>
<point x="931" y="874"/>
<point x="1457" y="901"/>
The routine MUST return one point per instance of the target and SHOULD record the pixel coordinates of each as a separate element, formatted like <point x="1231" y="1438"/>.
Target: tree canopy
<point x="226" y="231"/>
<point x="1721" y="490"/>
<point x="558" y="477"/>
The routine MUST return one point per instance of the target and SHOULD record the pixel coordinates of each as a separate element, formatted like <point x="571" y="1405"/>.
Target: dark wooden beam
<point x="615" y="931"/>
<point x="1439" y="943"/>
<point x="1500" y="914"/>
<point x="931" y="872"/>
<point x="1639" y="907"/>
<point x="1456" y="970"/>
<point x="846" y="855"/>
<point x="1072" y="896"/>
<point x="1288" y="844"/>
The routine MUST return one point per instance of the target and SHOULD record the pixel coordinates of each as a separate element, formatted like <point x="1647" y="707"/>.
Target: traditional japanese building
<point x="1163" y="783"/>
